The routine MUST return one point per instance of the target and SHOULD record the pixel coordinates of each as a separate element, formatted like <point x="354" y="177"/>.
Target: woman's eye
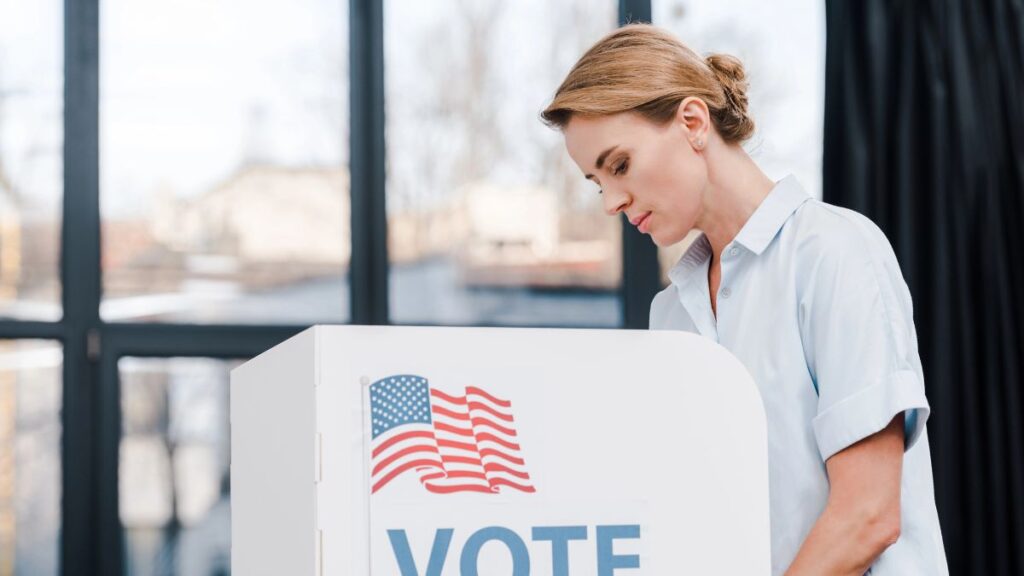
<point x="621" y="168"/>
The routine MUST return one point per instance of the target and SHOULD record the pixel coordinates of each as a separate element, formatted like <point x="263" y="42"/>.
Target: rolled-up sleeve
<point x="860" y="343"/>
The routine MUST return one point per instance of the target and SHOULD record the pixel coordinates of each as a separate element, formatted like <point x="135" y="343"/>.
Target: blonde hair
<point x="645" y="69"/>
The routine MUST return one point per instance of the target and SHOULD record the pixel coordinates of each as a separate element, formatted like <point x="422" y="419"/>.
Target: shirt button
<point x="726" y="292"/>
<point x="734" y="251"/>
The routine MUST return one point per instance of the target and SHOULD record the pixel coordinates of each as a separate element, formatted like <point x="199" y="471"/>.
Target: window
<point x="30" y="402"/>
<point x="31" y="138"/>
<point x="174" y="465"/>
<point x="489" y="221"/>
<point x="224" y="163"/>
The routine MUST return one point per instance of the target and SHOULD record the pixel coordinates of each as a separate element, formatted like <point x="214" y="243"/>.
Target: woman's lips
<point x="642" y="225"/>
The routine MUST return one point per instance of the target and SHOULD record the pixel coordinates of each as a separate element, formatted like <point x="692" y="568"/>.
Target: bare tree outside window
<point x="488" y="219"/>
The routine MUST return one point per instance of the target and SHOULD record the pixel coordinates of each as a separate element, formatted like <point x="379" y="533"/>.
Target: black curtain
<point x="924" y="133"/>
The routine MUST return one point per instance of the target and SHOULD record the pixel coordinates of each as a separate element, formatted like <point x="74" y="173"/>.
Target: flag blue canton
<point x="399" y="400"/>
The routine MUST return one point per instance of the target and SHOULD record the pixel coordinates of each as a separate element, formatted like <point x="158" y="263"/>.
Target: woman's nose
<point x="615" y="201"/>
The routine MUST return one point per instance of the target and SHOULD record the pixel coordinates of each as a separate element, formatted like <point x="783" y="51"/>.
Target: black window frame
<point x="91" y="540"/>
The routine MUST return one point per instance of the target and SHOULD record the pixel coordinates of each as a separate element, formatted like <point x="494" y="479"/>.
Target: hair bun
<point x="729" y="71"/>
<point x="646" y="69"/>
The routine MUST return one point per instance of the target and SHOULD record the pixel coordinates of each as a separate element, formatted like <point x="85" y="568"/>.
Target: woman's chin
<point x="663" y="240"/>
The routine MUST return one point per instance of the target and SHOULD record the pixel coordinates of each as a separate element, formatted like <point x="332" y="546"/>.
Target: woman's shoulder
<point x="842" y="249"/>
<point x="824" y="231"/>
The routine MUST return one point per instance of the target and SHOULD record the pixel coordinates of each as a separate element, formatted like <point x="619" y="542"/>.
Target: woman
<point x="807" y="295"/>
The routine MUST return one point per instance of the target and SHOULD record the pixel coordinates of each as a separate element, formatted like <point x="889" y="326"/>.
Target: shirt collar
<point x="757" y="233"/>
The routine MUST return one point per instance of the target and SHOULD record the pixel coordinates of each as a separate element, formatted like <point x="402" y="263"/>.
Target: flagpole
<point x="364" y="382"/>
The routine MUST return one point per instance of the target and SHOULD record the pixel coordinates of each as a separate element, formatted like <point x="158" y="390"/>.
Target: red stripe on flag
<point x="391" y="475"/>
<point x="448" y="413"/>
<point x="467" y="474"/>
<point x="453" y="444"/>
<point x="461" y="460"/>
<point x="457" y="488"/>
<point x="401" y="438"/>
<point x="479" y="421"/>
<point x="493" y="467"/>
<point x="480" y="392"/>
<point x="447" y="398"/>
<point x="403" y="452"/>
<point x="489" y="410"/>
<point x="452" y="429"/>
<point x="488" y="436"/>
<point x="497" y="454"/>
<point x="510" y="484"/>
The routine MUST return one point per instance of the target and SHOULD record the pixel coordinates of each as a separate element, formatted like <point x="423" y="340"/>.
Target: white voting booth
<point x="445" y="451"/>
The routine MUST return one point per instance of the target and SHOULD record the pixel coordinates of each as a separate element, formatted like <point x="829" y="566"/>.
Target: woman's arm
<point x="862" y="517"/>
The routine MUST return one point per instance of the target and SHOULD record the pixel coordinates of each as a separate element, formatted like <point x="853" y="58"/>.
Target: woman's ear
<point x="694" y="118"/>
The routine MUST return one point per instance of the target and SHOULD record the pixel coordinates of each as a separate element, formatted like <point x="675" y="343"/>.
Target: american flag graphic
<point x="461" y="443"/>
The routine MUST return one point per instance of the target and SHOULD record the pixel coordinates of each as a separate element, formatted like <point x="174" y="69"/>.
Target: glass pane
<point x="31" y="167"/>
<point x="782" y="46"/>
<point x="224" y="171"/>
<point x="174" y="465"/>
<point x="30" y="402"/>
<point x="489" y="220"/>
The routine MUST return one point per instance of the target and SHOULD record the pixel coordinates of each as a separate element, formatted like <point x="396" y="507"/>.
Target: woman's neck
<point x="736" y="187"/>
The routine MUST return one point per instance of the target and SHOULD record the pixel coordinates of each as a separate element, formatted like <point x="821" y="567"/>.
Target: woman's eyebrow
<point x="600" y="160"/>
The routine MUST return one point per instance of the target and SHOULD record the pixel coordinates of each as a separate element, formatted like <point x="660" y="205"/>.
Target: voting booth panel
<point x="446" y="451"/>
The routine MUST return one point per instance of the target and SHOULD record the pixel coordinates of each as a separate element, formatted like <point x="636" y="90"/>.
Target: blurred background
<point x="185" y="184"/>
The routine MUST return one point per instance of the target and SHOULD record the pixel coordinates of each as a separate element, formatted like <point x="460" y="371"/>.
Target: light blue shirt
<point x="813" y="303"/>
